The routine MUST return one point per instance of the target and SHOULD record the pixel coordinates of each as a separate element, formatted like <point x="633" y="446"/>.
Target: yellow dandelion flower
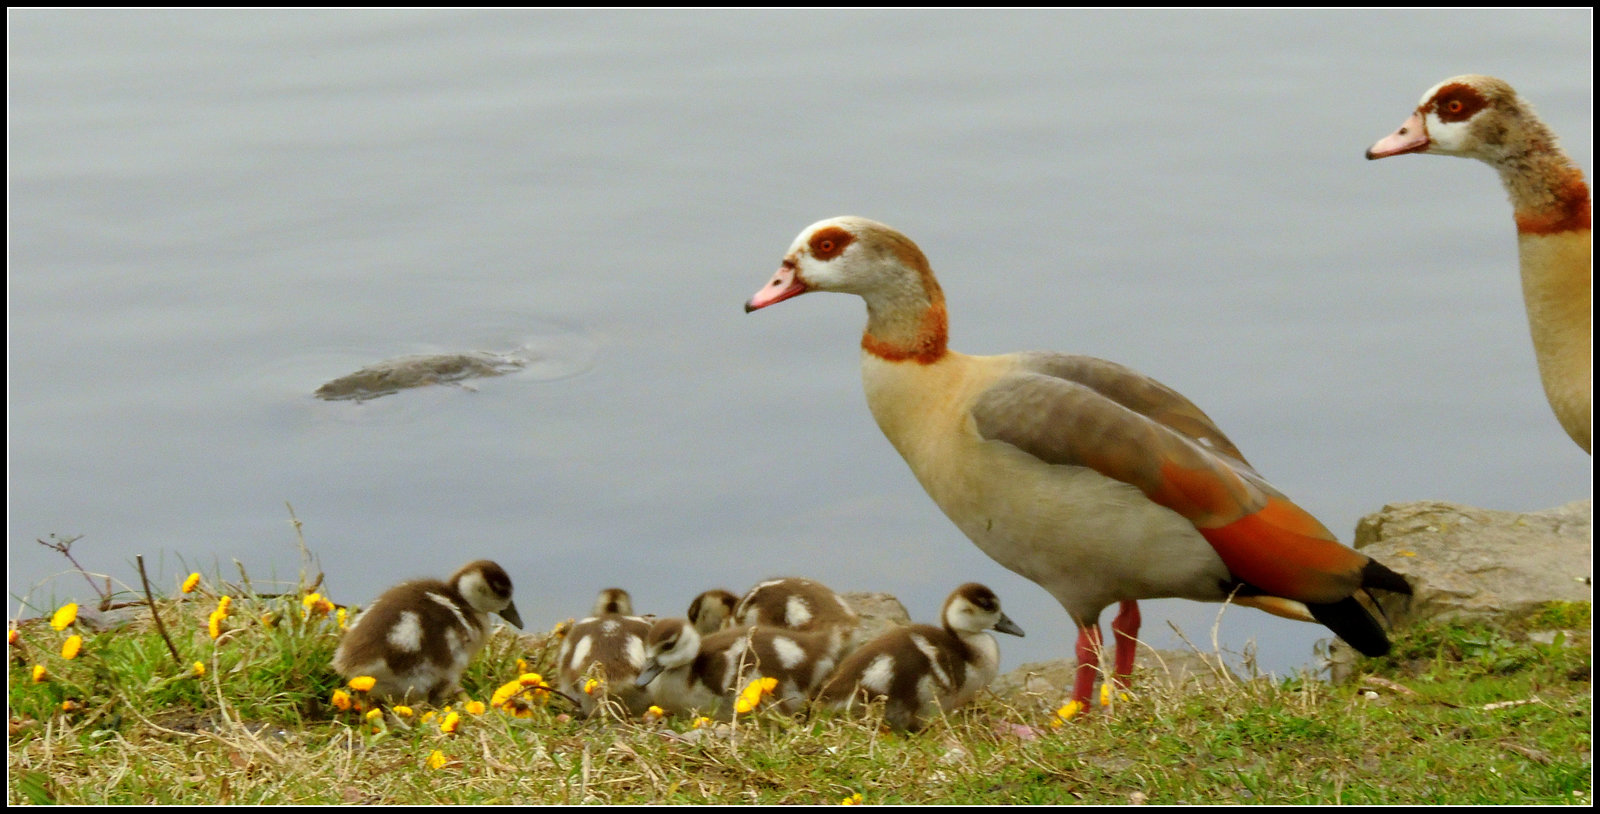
<point x="1068" y="711"/>
<point x="191" y="583"/>
<point x="474" y="707"/>
<point x="64" y="616"/>
<point x="269" y="619"/>
<point x="451" y="722"/>
<point x="38" y="673"/>
<point x="224" y="604"/>
<point x="511" y="698"/>
<point x="316" y="605"/>
<point x="534" y="681"/>
<point x="561" y="629"/>
<point x="341" y="619"/>
<point x="654" y="713"/>
<point x="341" y="700"/>
<point x="1105" y="695"/>
<point x="363" y="683"/>
<point x="506" y="692"/>
<point x="750" y="697"/>
<point x="374" y="713"/>
<point x="70" y="705"/>
<point x="214" y="624"/>
<point x="852" y="800"/>
<point x="437" y="760"/>
<point x="700" y="722"/>
<point x="402" y="711"/>
<point x="13" y="636"/>
<point x="71" y="647"/>
<point x="199" y="668"/>
<point x="427" y="716"/>
<point x="590" y="686"/>
<point x="522" y="665"/>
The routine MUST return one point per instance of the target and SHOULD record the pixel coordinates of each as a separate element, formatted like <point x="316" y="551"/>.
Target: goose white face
<point x="838" y="254"/>
<point x="974" y="608"/>
<point x="1448" y="110"/>
<point x="1450" y="120"/>
<point x="487" y="589"/>
<point x="672" y="643"/>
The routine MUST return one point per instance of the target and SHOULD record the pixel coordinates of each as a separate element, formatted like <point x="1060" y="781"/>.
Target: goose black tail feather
<point x="1378" y="575"/>
<point x="1353" y="623"/>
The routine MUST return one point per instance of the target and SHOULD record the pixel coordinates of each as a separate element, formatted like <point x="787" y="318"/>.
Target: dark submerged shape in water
<point x="399" y="373"/>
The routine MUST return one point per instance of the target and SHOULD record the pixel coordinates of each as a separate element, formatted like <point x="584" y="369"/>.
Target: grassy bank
<point x="1454" y="715"/>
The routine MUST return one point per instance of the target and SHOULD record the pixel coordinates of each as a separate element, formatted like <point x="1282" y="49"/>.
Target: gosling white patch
<point x="406" y="635"/>
<point x="444" y="601"/>
<point x="580" y="652"/>
<point x="796" y="612"/>
<point x="928" y="649"/>
<point x="789" y="652"/>
<point x="879" y="674"/>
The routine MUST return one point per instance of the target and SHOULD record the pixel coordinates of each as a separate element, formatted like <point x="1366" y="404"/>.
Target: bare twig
<point x="161" y="626"/>
<point x="306" y="557"/>
<point x="1391" y="686"/>
<point x="64" y="545"/>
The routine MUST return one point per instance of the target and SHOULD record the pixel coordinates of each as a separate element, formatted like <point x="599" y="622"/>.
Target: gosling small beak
<point x="509" y="613"/>
<point x="648" y="674"/>
<point x="1005" y="625"/>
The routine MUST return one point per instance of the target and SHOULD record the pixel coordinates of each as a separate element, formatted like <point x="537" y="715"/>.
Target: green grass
<point x="1458" y="715"/>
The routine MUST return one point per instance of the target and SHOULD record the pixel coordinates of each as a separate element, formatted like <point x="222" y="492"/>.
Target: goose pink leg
<point x="1125" y="630"/>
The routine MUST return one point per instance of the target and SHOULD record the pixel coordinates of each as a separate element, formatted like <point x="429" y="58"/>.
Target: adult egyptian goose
<point x="920" y="669"/>
<point x="800" y="604"/>
<point x="1099" y="484"/>
<point x="607" y="648"/>
<point x="712" y="611"/>
<point x="418" y="637"/>
<point x="687" y="672"/>
<point x="1481" y="117"/>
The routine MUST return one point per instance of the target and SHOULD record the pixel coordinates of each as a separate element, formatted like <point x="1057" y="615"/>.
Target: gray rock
<point x="879" y="612"/>
<point x="1466" y="563"/>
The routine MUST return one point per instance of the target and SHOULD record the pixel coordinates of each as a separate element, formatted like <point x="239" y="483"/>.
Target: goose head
<point x="1470" y="116"/>
<point x="973" y="608"/>
<point x="906" y="317"/>
<point x="849" y="255"/>
<point x="672" y="643"/>
<point x="487" y="589"/>
<point x="613" y="601"/>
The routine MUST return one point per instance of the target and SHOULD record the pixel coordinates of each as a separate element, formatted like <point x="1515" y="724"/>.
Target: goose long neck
<point x="1547" y="190"/>
<point x="906" y="317"/>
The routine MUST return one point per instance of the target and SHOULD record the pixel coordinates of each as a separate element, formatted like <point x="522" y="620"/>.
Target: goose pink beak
<point x="785" y="284"/>
<point x="1412" y="137"/>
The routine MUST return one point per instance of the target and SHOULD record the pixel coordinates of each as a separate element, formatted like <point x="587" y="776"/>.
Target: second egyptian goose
<point x="1474" y="116"/>
<point x="1099" y="484"/>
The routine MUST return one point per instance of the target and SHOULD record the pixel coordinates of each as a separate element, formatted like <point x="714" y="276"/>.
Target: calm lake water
<point x="212" y="213"/>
